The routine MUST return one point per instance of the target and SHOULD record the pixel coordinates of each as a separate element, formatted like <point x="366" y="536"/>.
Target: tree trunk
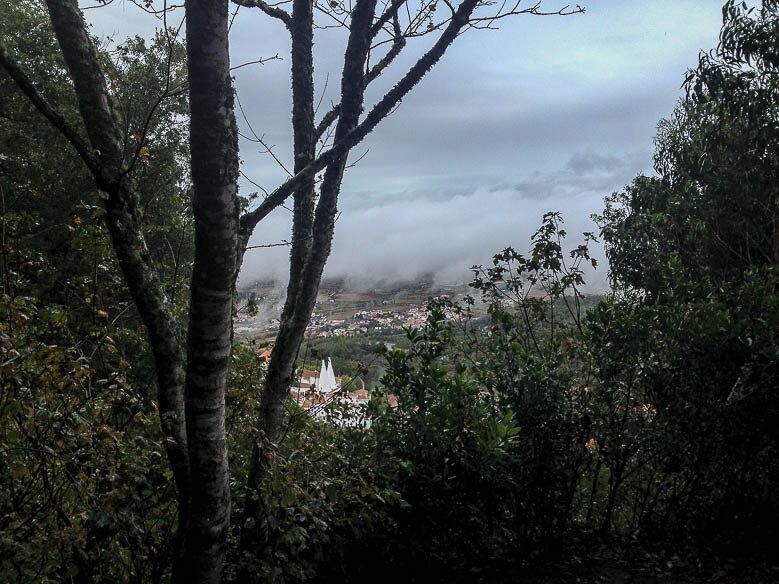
<point x="104" y="156"/>
<point x="299" y="309"/>
<point x="301" y="27"/>
<point x="312" y="235"/>
<point x="214" y="151"/>
<point x="349" y="132"/>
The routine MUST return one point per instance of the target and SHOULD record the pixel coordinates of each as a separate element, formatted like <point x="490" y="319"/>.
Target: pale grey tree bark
<point x="214" y="151"/>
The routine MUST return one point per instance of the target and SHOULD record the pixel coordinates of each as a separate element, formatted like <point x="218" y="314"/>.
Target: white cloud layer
<point x="441" y="234"/>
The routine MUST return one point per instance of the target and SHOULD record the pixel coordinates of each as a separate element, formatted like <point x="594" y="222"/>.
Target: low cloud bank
<point x="411" y="236"/>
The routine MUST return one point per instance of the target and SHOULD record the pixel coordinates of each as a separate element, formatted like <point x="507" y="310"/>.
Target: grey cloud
<point x="592" y="161"/>
<point x="441" y="235"/>
<point x="547" y="113"/>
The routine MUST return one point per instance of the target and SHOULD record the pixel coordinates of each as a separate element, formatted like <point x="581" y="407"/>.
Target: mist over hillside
<point x="440" y="234"/>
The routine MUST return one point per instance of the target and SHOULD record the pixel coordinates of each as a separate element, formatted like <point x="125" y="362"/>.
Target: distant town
<point x="340" y="311"/>
<point x="346" y="327"/>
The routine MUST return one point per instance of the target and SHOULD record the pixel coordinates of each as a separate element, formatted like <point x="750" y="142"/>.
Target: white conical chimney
<point x="321" y="381"/>
<point x="331" y="373"/>
<point x="326" y="382"/>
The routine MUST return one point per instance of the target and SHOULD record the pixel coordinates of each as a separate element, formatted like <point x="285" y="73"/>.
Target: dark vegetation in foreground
<point x="635" y="441"/>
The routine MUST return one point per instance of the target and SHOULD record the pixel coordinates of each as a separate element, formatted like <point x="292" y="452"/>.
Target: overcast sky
<point x="547" y="113"/>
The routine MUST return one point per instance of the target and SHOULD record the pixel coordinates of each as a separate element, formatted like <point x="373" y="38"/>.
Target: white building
<point x="322" y="394"/>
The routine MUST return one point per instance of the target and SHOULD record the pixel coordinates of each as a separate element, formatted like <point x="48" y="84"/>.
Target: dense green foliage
<point x="691" y="327"/>
<point x="85" y="490"/>
<point x="493" y="444"/>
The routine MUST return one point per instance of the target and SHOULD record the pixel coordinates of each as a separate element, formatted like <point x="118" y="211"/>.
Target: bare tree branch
<point x="56" y="119"/>
<point x="272" y="11"/>
<point x="262" y="61"/>
<point x="125" y="229"/>
<point x="376" y="115"/>
<point x="297" y="312"/>
<point x="390" y="12"/>
<point x="398" y="43"/>
<point x="259" y="140"/>
<point x="164" y="94"/>
<point x="94" y="100"/>
<point x="327" y="120"/>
